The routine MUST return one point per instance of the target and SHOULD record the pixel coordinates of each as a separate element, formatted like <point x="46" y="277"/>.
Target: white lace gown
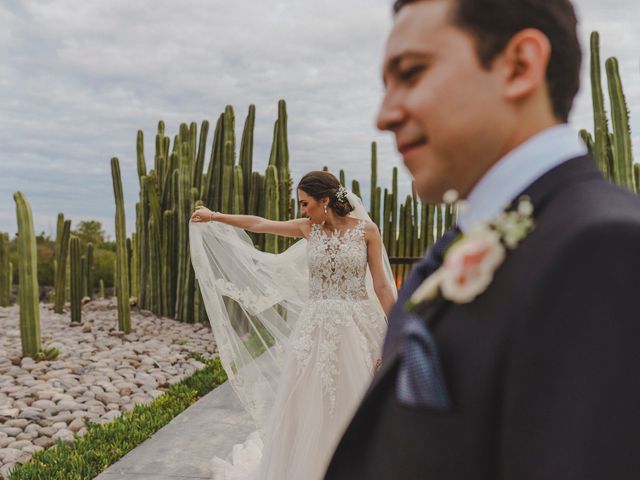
<point x="329" y="365"/>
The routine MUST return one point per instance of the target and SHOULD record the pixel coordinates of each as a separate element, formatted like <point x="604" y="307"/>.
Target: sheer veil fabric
<point x="253" y="300"/>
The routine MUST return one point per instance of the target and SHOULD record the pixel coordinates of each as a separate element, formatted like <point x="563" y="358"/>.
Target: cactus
<point x="76" y="292"/>
<point x="28" y="292"/>
<point x="272" y="202"/>
<point x="101" y="289"/>
<point x="246" y="153"/>
<point x="355" y="188"/>
<point x="134" y="265"/>
<point x="374" y="192"/>
<point x="89" y="271"/>
<point x="199" y="163"/>
<point x="5" y="279"/>
<point x="61" y="269"/>
<point x="122" y="272"/>
<point x="238" y="206"/>
<point x="623" y="157"/>
<point x="600" y="128"/>
<point x="141" y="163"/>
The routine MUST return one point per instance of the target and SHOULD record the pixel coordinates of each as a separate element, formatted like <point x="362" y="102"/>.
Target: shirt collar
<point x="517" y="170"/>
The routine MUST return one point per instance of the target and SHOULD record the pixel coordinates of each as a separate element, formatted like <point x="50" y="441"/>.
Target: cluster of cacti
<point x="28" y="291"/>
<point x="76" y="278"/>
<point x="162" y="278"/>
<point x="611" y="149"/>
<point x="5" y="271"/>
<point x="61" y="252"/>
<point x="122" y="262"/>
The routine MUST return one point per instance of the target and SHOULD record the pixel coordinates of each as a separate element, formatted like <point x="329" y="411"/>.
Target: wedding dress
<point x="315" y="342"/>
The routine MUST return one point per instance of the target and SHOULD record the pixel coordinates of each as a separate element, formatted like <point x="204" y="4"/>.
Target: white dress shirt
<point x="517" y="170"/>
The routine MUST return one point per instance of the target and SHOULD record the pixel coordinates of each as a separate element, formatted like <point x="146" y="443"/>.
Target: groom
<point x="539" y="376"/>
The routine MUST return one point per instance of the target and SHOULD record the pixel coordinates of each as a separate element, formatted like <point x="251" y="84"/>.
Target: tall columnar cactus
<point x="600" y="127"/>
<point x="56" y="245"/>
<point x="101" y="294"/>
<point x="141" y="162"/>
<point x="198" y="165"/>
<point x="135" y="267"/>
<point x="184" y="199"/>
<point x="374" y="208"/>
<point x="122" y="271"/>
<point x="623" y="157"/>
<point x="61" y="269"/>
<point x="28" y="292"/>
<point x="272" y="202"/>
<point x="246" y="152"/>
<point x="89" y="270"/>
<point x="238" y="206"/>
<point x="76" y="279"/>
<point x="5" y="280"/>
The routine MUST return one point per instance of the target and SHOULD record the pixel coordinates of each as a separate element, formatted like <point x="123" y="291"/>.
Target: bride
<point x="299" y="333"/>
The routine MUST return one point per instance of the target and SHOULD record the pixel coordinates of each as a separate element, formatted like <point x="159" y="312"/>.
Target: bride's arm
<point x="381" y="285"/>
<point x="290" y="228"/>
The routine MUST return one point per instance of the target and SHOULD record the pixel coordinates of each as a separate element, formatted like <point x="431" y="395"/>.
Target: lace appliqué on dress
<point x="338" y="298"/>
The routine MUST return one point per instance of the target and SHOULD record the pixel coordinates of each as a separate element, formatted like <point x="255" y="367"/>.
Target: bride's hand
<point x="203" y="214"/>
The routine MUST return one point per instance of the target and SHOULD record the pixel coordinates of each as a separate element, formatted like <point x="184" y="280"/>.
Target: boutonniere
<point x="472" y="259"/>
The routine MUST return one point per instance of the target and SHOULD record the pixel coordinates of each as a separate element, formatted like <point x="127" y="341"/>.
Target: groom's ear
<point x="523" y="64"/>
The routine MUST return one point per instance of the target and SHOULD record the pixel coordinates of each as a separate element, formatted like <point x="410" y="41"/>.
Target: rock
<point x="9" y="412"/>
<point x="10" y="431"/>
<point x="62" y="396"/>
<point x="5" y="441"/>
<point x="55" y="373"/>
<point x="31" y="413"/>
<point x="46" y="394"/>
<point x="110" y="416"/>
<point x="76" y="425"/>
<point x="47" y="431"/>
<point x="17" y="422"/>
<point x="32" y="449"/>
<point x="108" y="398"/>
<point x="33" y="427"/>
<point x="8" y="455"/>
<point x="70" y="405"/>
<point x="26" y="436"/>
<point x="86" y="328"/>
<point x="43" y="404"/>
<point x="20" y="444"/>
<point x="63" y="434"/>
<point x="44" y="442"/>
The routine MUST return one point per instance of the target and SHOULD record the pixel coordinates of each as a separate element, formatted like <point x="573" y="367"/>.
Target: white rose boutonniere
<point x="472" y="259"/>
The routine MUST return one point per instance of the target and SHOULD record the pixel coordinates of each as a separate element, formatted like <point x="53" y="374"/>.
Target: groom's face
<point x="445" y="110"/>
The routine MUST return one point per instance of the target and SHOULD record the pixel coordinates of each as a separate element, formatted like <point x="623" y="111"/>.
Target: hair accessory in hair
<point x="341" y="194"/>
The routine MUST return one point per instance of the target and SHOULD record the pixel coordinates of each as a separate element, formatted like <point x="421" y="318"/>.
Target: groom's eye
<point x="411" y="73"/>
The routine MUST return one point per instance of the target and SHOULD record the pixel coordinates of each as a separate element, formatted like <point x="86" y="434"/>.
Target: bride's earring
<point x="325" y="215"/>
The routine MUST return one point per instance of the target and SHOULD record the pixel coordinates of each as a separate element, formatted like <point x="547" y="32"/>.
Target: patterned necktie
<point x="420" y="378"/>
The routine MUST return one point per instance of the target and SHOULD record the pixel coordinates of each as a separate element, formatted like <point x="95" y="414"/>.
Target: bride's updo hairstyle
<point x="321" y="184"/>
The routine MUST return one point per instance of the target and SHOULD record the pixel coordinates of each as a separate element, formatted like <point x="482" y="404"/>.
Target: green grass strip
<point x="105" y="444"/>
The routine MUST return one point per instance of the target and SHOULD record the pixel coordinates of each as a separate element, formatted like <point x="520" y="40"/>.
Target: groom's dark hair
<point x="493" y="23"/>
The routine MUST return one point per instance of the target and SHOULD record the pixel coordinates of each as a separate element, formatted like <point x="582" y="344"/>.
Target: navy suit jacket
<point x="543" y="368"/>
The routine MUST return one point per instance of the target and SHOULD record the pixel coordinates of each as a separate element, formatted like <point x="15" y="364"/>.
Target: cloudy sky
<point x="78" y="79"/>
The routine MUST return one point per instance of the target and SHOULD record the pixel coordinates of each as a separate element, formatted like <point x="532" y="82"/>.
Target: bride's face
<point x="311" y="208"/>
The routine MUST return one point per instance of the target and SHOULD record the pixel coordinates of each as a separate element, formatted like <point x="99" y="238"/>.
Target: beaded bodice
<point x="337" y="264"/>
